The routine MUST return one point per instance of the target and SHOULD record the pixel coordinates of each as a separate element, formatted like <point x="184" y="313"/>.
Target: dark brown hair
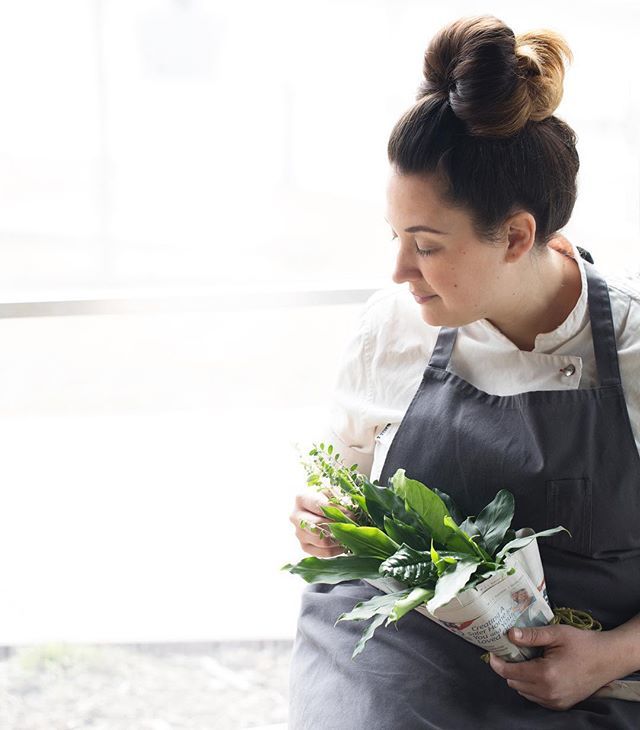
<point x="483" y="125"/>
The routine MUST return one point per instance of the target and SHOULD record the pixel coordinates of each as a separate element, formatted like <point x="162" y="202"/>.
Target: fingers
<point x="310" y="525"/>
<point x="319" y="552"/>
<point x="517" y="671"/>
<point x="346" y="511"/>
<point x="534" y="635"/>
<point x="314" y="501"/>
<point x="311" y="502"/>
<point x="534" y="679"/>
<point x="521" y="686"/>
<point x="321" y="538"/>
<point x="533" y="698"/>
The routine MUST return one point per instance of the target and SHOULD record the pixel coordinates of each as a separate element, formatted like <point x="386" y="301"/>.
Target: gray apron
<point x="570" y="458"/>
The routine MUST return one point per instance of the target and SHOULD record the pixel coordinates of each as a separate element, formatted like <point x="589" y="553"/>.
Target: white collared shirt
<point x="383" y="363"/>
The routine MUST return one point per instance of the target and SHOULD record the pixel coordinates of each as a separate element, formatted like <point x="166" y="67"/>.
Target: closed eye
<point x="419" y="251"/>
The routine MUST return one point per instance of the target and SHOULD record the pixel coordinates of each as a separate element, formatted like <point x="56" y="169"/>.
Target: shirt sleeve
<point x="629" y="359"/>
<point x="351" y="425"/>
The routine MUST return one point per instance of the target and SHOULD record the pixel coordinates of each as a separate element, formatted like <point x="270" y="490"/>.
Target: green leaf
<point x="453" y="508"/>
<point x="435" y="558"/>
<point x="461" y="542"/>
<point x="380" y="502"/>
<point x="366" y="541"/>
<point x="468" y="526"/>
<point x="431" y="509"/>
<point x="335" y="513"/>
<point x="380" y="603"/>
<point x="495" y="519"/>
<point x="521" y="542"/>
<point x="401" y="532"/>
<point x="451" y="582"/>
<point x="378" y="608"/>
<point x="483" y="575"/>
<point x="336" y="569"/>
<point x="445" y="558"/>
<point x="509" y="535"/>
<point x="383" y="501"/>
<point x="409" y="566"/>
<point x="359" y="500"/>
<point x="418" y="596"/>
<point x="368" y="633"/>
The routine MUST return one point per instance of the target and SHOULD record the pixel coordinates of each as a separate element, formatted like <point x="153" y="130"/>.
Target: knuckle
<point x="549" y="677"/>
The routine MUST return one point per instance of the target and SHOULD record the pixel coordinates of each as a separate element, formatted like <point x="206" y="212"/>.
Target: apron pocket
<point x="569" y="505"/>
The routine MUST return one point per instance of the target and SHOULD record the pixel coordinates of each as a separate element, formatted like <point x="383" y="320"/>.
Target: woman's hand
<point x="308" y="507"/>
<point x="575" y="664"/>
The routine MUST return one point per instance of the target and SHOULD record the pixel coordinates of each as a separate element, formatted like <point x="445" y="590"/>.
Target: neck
<point x="545" y="290"/>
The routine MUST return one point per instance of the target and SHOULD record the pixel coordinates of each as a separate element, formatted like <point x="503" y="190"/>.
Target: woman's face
<point x="463" y="273"/>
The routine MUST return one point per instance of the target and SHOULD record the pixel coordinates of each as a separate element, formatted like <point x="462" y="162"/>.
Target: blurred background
<point x="191" y="216"/>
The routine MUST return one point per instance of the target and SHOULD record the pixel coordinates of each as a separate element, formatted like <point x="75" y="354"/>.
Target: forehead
<point x="415" y="200"/>
<point x="409" y="196"/>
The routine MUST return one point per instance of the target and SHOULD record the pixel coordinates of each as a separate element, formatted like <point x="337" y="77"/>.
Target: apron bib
<point x="570" y="458"/>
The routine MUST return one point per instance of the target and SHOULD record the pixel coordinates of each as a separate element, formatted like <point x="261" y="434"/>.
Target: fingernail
<point x="517" y="634"/>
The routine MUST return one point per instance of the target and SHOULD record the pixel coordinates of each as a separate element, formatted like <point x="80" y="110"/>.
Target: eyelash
<point x="419" y="251"/>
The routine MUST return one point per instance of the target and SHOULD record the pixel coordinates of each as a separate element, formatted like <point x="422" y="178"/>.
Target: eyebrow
<point x="426" y="229"/>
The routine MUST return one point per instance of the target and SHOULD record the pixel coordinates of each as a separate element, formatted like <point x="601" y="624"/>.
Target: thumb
<point x="532" y="636"/>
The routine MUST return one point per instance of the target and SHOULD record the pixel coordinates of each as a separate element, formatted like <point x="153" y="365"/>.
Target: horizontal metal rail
<point x="186" y="300"/>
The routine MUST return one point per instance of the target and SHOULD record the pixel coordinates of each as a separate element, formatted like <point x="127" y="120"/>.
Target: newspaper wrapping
<point x="482" y="615"/>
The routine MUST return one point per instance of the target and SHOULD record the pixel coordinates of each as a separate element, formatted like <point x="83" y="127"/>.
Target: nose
<point x="405" y="268"/>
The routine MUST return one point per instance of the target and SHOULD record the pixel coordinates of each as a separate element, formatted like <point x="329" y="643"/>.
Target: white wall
<point x="148" y="462"/>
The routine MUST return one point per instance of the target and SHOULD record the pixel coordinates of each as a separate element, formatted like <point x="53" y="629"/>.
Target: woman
<point x="507" y="362"/>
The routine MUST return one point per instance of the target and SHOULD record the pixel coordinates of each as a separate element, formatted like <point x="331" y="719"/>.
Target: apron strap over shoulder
<point x="602" y="330"/>
<point x="444" y="345"/>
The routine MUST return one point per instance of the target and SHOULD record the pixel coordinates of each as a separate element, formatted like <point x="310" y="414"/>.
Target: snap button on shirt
<point x="569" y="370"/>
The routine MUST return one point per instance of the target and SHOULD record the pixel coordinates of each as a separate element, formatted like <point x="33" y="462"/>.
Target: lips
<point x="424" y="299"/>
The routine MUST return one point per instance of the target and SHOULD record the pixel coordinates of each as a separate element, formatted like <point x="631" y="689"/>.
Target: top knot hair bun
<point x="495" y="81"/>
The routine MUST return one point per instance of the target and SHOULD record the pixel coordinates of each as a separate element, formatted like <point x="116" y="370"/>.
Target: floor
<point x="233" y="686"/>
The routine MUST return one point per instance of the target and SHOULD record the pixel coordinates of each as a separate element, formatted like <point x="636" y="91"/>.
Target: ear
<point x="521" y="235"/>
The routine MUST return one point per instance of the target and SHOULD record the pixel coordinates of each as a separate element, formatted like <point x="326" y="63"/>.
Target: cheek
<point x="465" y="287"/>
<point x="451" y="280"/>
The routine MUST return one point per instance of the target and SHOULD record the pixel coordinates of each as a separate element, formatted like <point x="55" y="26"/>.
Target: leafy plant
<point x="406" y="531"/>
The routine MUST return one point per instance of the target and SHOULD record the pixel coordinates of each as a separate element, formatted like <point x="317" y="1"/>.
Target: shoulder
<point x="624" y="294"/>
<point x="627" y="287"/>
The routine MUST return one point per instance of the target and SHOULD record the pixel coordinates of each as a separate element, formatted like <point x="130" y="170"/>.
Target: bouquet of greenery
<point x="413" y="537"/>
